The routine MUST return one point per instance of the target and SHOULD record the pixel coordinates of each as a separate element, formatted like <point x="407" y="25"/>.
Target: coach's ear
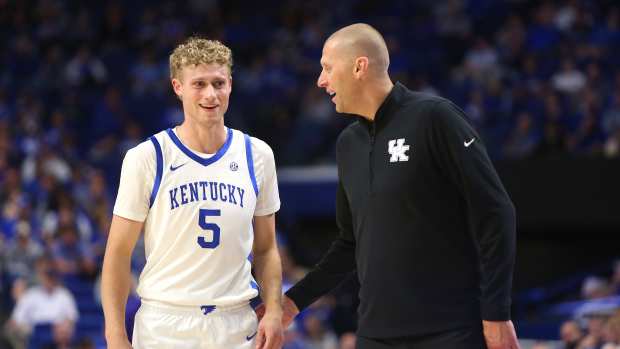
<point x="360" y="67"/>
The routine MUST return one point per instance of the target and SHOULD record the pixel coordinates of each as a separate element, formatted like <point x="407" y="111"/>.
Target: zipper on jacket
<point x="372" y="147"/>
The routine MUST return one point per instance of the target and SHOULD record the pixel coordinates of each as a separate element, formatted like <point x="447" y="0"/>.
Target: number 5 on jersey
<point x="202" y="222"/>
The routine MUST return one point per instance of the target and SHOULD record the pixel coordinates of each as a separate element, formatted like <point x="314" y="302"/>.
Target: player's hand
<point x="270" y="334"/>
<point x="289" y="311"/>
<point x="500" y="335"/>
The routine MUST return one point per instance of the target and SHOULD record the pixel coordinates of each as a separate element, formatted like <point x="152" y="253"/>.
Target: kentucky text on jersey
<point x="203" y="190"/>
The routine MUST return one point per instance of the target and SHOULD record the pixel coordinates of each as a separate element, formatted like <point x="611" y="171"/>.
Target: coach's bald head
<point x="354" y="71"/>
<point x="362" y="40"/>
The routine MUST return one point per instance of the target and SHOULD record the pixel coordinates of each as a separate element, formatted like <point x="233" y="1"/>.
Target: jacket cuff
<point x="494" y="312"/>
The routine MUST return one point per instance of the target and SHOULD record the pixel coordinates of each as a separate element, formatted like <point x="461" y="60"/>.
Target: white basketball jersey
<point x="198" y="232"/>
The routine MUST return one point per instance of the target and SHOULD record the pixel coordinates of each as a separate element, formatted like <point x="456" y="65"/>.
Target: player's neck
<point x="204" y="139"/>
<point x="373" y="97"/>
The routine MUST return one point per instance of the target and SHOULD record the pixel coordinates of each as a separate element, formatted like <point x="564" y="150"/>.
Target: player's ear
<point x="177" y="87"/>
<point x="360" y="67"/>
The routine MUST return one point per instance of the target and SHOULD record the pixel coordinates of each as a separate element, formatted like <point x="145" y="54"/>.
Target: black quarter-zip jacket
<point x="423" y="219"/>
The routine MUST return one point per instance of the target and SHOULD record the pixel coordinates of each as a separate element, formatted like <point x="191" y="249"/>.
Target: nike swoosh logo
<point x="172" y="168"/>
<point x="467" y="144"/>
<point x="250" y="337"/>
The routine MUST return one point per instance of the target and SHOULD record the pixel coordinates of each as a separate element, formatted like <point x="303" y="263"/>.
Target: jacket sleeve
<point x="336" y="264"/>
<point x="462" y="157"/>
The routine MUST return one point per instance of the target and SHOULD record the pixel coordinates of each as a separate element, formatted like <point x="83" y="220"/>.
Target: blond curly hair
<point x="197" y="50"/>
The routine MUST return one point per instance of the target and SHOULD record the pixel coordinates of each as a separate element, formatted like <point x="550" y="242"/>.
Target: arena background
<point x="82" y="82"/>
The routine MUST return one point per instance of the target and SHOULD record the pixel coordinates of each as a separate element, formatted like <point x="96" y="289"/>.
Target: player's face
<point x="204" y="90"/>
<point x="336" y="77"/>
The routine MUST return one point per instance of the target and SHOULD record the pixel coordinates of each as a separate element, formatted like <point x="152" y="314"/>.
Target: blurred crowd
<point x="596" y="287"/>
<point x="598" y="331"/>
<point x="593" y="318"/>
<point x="82" y="82"/>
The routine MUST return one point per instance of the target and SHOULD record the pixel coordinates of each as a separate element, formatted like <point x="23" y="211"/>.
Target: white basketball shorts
<point x="167" y="326"/>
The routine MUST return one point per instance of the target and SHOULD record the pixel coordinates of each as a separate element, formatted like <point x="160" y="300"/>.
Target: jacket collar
<point x="391" y="103"/>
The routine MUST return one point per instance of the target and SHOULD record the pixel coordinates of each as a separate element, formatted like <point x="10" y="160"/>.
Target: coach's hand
<point x="269" y="334"/>
<point x="500" y="335"/>
<point x="290" y="310"/>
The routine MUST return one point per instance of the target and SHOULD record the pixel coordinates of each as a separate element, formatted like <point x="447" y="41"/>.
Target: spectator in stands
<point x="72" y="256"/>
<point x="555" y="132"/>
<point x="22" y="253"/>
<point x="347" y="340"/>
<point x="85" y="69"/>
<point x="594" y="337"/>
<point x="62" y="336"/>
<point x="588" y="139"/>
<point x="318" y="334"/>
<point x="87" y="343"/>
<point x="312" y="127"/>
<point x="149" y="76"/>
<point x="594" y="287"/>
<point x="20" y="257"/>
<point x="566" y="15"/>
<point x="46" y="303"/>
<point x="475" y="109"/>
<point x="291" y="271"/>
<point x="524" y="138"/>
<point x="615" y="278"/>
<point x="481" y="61"/>
<point x="293" y="338"/>
<point x="540" y="345"/>
<point x="570" y="335"/>
<point x="611" y="332"/>
<point x="611" y="115"/>
<point x="64" y="211"/>
<point x="569" y="80"/>
<point x="611" y="148"/>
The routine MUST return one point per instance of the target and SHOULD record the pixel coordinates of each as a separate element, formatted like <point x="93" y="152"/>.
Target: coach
<point x="423" y="216"/>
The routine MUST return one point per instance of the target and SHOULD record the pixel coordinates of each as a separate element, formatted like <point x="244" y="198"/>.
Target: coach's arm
<point x="268" y="272"/>
<point x="116" y="278"/>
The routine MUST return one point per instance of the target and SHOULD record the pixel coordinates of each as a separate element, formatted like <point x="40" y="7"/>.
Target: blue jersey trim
<point x="159" y="169"/>
<point x="248" y="154"/>
<point x="196" y="157"/>
<point x="254" y="285"/>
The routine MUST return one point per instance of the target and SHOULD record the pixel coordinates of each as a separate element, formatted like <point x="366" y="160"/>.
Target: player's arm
<point x="266" y="259"/>
<point x="116" y="278"/>
<point x="268" y="272"/>
<point x="267" y="265"/>
<point x="130" y="211"/>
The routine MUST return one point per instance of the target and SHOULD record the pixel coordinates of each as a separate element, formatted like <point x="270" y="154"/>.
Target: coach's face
<point x="337" y="76"/>
<point x="204" y="90"/>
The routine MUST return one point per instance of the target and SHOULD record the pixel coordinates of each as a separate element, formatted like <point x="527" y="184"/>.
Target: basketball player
<point x="206" y="196"/>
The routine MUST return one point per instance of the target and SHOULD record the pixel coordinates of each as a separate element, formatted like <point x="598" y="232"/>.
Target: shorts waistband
<point x="192" y="309"/>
